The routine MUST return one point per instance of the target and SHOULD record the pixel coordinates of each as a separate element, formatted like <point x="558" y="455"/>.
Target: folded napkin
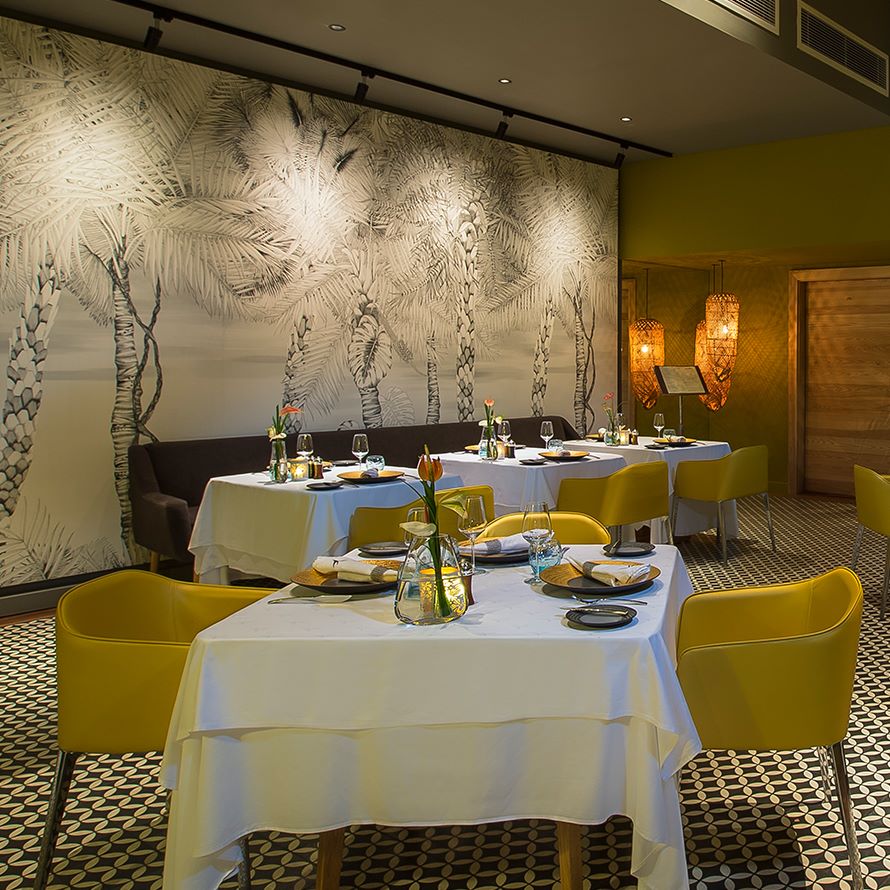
<point x="612" y="574"/>
<point x="510" y="544"/>
<point x="371" y="471"/>
<point x="353" y="569"/>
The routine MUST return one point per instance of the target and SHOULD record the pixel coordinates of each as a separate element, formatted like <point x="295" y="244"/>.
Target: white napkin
<point x="371" y="471"/>
<point x="510" y="544"/>
<point x="612" y="574"/>
<point x="353" y="569"/>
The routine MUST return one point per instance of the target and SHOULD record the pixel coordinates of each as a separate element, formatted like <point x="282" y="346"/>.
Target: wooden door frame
<point x="798" y="279"/>
<point x="628" y="313"/>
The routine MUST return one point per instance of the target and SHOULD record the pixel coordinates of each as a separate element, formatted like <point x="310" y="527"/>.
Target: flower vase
<point x="431" y="589"/>
<point x="488" y="447"/>
<point x="611" y="436"/>
<point x="278" y="468"/>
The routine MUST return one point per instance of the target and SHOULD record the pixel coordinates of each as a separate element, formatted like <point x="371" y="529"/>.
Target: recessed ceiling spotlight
<point x="504" y="80"/>
<point x="625" y="119"/>
<point x="335" y="26"/>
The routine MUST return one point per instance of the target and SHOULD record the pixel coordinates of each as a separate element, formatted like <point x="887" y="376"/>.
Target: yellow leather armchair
<point x="636" y="493"/>
<point x="743" y="472"/>
<point x="121" y="645"/>
<point x="771" y="668"/>
<point x="873" y="511"/>
<point x="569" y="528"/>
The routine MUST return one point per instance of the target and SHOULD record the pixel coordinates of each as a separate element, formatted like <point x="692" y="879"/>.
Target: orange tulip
<point x="489" y="403"/>
<point x="429" y="469"/>
<point x="290" y="409"/>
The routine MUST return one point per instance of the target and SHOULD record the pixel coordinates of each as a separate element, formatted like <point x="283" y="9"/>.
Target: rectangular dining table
<point x="692" y="516"/>
<point x="309" y="716"/>
<point x="260" y="527"/>
<point x="516" y="485"/>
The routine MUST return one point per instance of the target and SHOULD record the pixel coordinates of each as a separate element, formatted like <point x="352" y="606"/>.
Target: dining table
<point x="275" y="529"/>
<point x="309" y="715"/>
<point x="516" y="484"/>
<point x="692" y="516"/>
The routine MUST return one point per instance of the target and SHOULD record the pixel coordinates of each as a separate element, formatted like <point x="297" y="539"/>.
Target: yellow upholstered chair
<point x="873" y="511"/>
<point x="569" y="528"/>
<point x="121" y="645"/>
<point x="634" y="494"/>
<point x="771" y="668"/>
<point x="743" y="472"/>
<point x="370" y="524"/>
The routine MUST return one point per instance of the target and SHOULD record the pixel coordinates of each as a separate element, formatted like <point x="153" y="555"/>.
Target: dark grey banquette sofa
<point x="167" y="479"/>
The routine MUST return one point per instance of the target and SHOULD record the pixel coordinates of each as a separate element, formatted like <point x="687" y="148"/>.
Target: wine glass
<point x="658" y="423"/>
<point x="537" y="530"/>
<point x="304" y="444"/>
<point x="504" y="431"/>
<point x="546" y="432"/>
<point x="415" y="514"/>
<point x="471" y="523"/>
<point x="360" y="447"/>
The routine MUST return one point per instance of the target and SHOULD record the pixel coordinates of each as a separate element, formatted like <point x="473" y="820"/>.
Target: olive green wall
<point x="821" y="201"/>
<point x="756" y="409"/>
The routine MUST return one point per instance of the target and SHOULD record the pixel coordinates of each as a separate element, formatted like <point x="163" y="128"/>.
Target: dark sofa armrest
<point x="163" y="523"/>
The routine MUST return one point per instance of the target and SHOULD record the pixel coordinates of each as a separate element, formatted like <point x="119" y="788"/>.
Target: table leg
<point x="330" y="858"/>
<point x="568" y="842"/>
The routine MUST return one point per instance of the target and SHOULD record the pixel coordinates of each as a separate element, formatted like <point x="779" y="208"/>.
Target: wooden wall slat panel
<point x="847" y="415"/>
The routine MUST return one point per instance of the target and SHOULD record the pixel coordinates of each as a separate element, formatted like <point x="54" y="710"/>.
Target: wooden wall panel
<point x="847" y="415"/>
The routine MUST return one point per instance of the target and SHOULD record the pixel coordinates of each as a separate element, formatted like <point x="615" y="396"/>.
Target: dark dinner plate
<point x="384" y="548"/>
<point x="344" y="463"/>
<point x="600" y="617"/>
<point x="629" y="548"/>
<point x="567" y="577"/>
<point x="501" y="559"/>
<point x="533" y="462"/>
<point x="323" y="486"/>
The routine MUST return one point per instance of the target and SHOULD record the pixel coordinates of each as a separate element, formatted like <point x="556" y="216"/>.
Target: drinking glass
<point x="658" y="423"/>
<point x="546" y="432"/>
<point x="471" y="523"/>
<point x="670" y="434"/>
<point x="537" y="530"/>
<point x="547" y="556"/>
<point x="504" y="431"/>
<point x="415" y="514"/>
<point x="304" y="444"/>
<point x="378" y="461"/>
<point x="360" y="447"/>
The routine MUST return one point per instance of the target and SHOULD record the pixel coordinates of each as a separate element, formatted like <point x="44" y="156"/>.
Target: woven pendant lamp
<point x="721" y="335"/>
<point x="646" y="336"/>
<point x="712" y="400"/>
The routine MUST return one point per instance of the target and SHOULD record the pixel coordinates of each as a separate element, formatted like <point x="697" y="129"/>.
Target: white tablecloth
<point x="692" y="516"/>
<point x="264" y="528"/>
<point x="516" y="485"/>
<point x="306" y="717"/>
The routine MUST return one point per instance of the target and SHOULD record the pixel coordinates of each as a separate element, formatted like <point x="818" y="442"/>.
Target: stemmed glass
<point x="360" y="447"/>
<point x="658" y="423"/>
<point x="415" y="514"/>
<point x="471" y="523"/>
<point x="304" y="444"/>
<point x="546" y="432"/>
<point x="537" y="529"/>
<point x="504" y="431"/>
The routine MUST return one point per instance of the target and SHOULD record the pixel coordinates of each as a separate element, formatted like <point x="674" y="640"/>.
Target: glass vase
<point x="431" y="588"/>
<point x="488" y="447"/>
<point x="278" y="468"/>
<point x="611" y="436"/>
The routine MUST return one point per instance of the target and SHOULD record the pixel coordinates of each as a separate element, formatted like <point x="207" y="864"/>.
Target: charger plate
<point x="673" y="443"/>
<point x="332" y="584"/>
<point x="600" y="617"/>
<point x="572" y="455"/>
<point x="567" y="577"/>
<point x="500" y="559"/>
<point x="382" y="476"/>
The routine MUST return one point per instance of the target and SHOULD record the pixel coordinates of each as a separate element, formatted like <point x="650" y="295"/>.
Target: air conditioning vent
<point x="763" y="12"/>
<point x="827" y="41"/>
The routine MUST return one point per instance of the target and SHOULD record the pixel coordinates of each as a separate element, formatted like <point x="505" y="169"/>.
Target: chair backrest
<point x="569" y="528"/>
<point x="771" y="667"/>
<point x="872" y="499"/>
<point x="486" y="492"/>
<point x="121" y="644"/>
<point x="370" y="524"/>
<point x="745" y="471"/>
<point x="632" y="494"/>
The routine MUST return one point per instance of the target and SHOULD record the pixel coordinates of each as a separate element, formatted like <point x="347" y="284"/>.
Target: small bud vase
<point x="488" y="447"/>
<point x="278" y="467"/>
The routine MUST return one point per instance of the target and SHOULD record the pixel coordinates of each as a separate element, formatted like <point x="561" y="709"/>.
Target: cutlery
<point x="321" y="598"/>
<point x="609" y="599"/>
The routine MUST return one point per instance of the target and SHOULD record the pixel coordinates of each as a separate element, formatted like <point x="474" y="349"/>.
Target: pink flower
<point x="489" y="403"/>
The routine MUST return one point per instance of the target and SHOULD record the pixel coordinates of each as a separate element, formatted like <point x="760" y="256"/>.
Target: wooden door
<point x="847" y="372"/>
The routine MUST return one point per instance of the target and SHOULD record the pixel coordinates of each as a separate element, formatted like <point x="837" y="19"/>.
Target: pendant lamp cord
<point x="647" y="292"/>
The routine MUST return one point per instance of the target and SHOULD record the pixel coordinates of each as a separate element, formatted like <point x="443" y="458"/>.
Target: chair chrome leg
<point x="769" y="521"/>
<point x="886" y="580"/>
<point x="59" y="795"/>
<point x="843" y="793"/>
<point x="675" y="505"/>
<point x="244" y="867"/>
<point x="670" y="530"/>
<point x="827" y="775"/>
<point x="721" y="531"/>
<point x="860" y="529"/>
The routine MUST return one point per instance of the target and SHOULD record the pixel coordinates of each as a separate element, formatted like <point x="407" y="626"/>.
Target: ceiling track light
<point x="153" y="34"/>
<point x="504" y="122"/>
<point x="361" y="89"/>
<point x="622" y="154"/>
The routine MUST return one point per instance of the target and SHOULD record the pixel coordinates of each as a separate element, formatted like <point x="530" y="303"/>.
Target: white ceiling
<point x="688" y="86"/>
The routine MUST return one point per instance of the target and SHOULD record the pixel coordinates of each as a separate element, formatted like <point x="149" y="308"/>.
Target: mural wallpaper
<point x="181" y="248"/>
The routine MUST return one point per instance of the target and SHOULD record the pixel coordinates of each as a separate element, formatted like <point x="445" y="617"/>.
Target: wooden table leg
<point x="568" y="842"/>
<point x="330" y="858"/>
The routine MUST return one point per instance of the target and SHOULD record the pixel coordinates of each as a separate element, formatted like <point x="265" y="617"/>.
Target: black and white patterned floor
<point x="752" y="820"/>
